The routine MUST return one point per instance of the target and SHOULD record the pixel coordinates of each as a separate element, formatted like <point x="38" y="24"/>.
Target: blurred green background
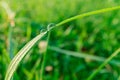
<point x="97" y="35"/>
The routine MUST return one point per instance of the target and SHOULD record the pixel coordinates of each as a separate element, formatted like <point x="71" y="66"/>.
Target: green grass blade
<point x="10" y="45"/>
<point x="44" y="58"/>
<point x="16" y="60"/>
<point x="88" y="14"/>
<point x="11" y="16"/>
<point x="103" y="64"/>
<point x="82" y="55"/>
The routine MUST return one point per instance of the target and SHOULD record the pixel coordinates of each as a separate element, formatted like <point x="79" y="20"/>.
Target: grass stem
<point x="44" y="57"/>
<point x="103" y="64"/>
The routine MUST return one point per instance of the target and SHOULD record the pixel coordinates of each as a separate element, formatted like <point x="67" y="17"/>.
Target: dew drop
<point x="50" y="26"/>
<point x="42" y="31"/>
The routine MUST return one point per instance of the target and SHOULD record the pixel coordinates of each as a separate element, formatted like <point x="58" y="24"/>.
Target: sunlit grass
<point x="17" y="59"/>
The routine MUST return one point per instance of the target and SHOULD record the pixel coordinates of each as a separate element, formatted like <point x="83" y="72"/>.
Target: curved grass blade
<point x="16" y="60"/>
<point x="88" y="14"/>
<point x="103" y="64"/>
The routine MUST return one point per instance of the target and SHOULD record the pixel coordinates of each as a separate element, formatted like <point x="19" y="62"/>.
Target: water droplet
<point x="50" y="26"/>
<point x="43" y="30"/>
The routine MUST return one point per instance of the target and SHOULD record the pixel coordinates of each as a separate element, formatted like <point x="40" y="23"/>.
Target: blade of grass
<point x="103" y="64"/>
<point x="11" y="16"/>
<point x="16" y="60"/>
<point x="10" y="45"/>
<point x="44" y="57"/>
<point x="82" y="55"/>
<point x="88" y="14"/>
<point x="30" y="74"/>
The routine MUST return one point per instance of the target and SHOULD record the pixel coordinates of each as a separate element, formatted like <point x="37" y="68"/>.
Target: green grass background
<point x="97" y="35"/>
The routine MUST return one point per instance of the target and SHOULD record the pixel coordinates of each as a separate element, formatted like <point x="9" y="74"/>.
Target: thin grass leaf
<point x="16" y="60"/>
<point x="82" y="55"/>
<point x="88" y="14"/>
<point x="10" y="42"/>
<point x="44" y="55"/>
<point x="103" y="64"/>
<point x="11" y="16"/>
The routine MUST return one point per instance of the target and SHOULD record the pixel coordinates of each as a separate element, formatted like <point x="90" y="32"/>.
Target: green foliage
<point x="90" y="40"/>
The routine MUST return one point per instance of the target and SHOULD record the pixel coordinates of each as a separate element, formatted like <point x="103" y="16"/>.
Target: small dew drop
<point x="50" y="26"/>
<point x="42" y="31"/>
